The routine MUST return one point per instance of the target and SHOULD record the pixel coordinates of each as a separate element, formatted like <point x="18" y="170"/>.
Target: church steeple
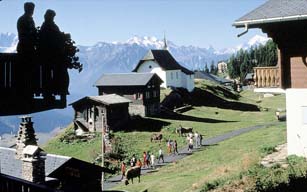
<point x="165" y="43"/>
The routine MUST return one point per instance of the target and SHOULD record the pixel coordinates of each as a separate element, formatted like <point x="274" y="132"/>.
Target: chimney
<point x="33" y="164"/>
<point x="26" y="136"/>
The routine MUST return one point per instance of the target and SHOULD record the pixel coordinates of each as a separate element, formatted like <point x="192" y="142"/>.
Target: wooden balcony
<point x="267" y="77"/>
<point x="22" y="88"/>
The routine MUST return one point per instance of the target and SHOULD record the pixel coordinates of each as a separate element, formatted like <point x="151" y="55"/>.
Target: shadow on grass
<point x="145" y="125"/>
<point x="205" y="98"/>
<point x="175" y="116"/>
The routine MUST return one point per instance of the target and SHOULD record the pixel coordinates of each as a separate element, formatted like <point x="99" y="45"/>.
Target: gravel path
<point x="112" y="182"/>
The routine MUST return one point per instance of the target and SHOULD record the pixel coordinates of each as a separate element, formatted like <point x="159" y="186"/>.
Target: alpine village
<point x="237" y="125"/>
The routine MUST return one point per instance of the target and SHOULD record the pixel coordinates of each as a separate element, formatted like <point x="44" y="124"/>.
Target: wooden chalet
<point x="285" y="22"/>
<point x="143" y="89"/>
<point x="97" y="113"/>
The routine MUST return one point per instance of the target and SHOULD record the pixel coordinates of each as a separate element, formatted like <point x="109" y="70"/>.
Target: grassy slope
<point x="224" y="162"/>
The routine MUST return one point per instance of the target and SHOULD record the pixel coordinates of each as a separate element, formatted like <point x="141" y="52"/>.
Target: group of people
<point x="149" y="159"/>
<point x="194" y="139"/>
<point x="172" y="147"/>
<point x="45" y="45"/>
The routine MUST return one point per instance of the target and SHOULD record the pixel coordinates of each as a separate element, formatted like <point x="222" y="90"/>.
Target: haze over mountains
<point x="115" y="57"/>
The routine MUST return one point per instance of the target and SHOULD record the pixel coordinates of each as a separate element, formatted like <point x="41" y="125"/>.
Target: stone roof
<point x="109" y="99"/>
<point x="164" y="59"/>
<point x="11" y="166"/>
<point x="125" y="79"/>
<point x="274" y="11"/>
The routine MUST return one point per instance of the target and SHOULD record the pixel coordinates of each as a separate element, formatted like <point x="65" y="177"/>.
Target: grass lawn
<point x="222" y="163"/>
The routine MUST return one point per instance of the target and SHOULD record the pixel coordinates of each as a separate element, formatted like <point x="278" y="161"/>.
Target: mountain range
<point x="115" y="57"/>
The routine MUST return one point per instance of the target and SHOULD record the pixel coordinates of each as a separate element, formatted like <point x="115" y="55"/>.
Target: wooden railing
<point x="25" y="89"/>
<point x="13" y="184"/>
<point x="266" y="77"/>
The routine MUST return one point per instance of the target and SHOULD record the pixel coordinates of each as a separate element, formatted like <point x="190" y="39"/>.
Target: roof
<point x="110" y="99"/>
<point x="11" y="166"/>
<point x="210" y="77"/>
<point x="125" y="79"/>
<point x="53" y="163"/>
<point x="164" y="59"/>
<point x="274" y="11"/>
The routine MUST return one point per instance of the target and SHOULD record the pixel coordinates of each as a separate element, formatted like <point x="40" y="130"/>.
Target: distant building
<point x="167" y="68"/>
<point x="249" y="79"/>
<point x="222" y="67"/>
<point x="143" y="89"/>
<point x="94" y="113"/>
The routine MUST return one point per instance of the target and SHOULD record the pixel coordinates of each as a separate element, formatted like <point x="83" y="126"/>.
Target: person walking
<point x="139" y="163"/>
<point x="147" y="159"/>
<point x="196" y="136"/>
<point x="169" y="146"/>
<point x="144" y="159"/>
<point x="190" y="144"/>
<point x="133" y="161"/>
<point x="175" y="147"/>
<point x="160" y="155"/>
<point x="152" y="160"/>
<point x="123" y="170"/>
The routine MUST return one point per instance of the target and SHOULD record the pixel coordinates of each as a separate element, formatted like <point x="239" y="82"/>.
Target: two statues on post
<point x="46" y="54"/>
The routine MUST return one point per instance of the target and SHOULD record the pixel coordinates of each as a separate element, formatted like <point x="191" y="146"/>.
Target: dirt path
<point x="112" y="182"/>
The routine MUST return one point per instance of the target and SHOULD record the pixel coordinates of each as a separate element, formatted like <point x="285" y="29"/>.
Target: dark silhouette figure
<point x="52" y="55"/>
<point x="27" y="32"/>
<point x="27" y="35"/>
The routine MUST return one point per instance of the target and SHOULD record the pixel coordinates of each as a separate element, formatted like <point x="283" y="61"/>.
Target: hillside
<point x="209" y="121"/>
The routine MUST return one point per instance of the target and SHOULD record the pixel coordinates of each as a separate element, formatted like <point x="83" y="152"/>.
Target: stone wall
<point x="137" y="110"/>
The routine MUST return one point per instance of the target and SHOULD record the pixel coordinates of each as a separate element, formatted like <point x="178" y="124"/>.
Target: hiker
<point x="133" y="161"/>
<point x="169" y="146"/>
<point x="175" y="147"/>
<point x="200" y="139"/>
<point x="190" y="143"/>
<point x="160" y="155"/>
<point x="144" y="158"/>
<point x="147" y="159"/>
<point x="196" y="136"/>
<point x="139" y="163"/>
<point x="152" y="160"/>
<point x="123" y="170"/>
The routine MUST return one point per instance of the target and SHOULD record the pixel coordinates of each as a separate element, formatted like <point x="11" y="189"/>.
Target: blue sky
<point x="185" y="22"/>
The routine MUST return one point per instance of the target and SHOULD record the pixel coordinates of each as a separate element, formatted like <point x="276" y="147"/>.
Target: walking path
<point x="112" y="182"/>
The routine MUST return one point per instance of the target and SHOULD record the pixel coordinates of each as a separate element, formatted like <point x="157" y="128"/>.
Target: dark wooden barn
<point x="97" y="113"/>
<point x="143" y="89"/>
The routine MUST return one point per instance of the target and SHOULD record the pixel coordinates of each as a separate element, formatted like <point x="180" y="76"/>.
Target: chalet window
<point x="149" y="66"/>
<point x="155" y="94"/>
<point x="147" y="94"/>
<point x="176" y="75"/>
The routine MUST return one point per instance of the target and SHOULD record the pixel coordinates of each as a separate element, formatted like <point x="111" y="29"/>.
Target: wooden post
<point x="102" y="153"/>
